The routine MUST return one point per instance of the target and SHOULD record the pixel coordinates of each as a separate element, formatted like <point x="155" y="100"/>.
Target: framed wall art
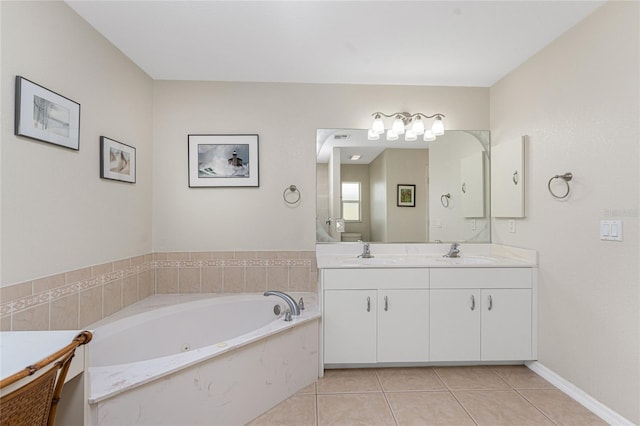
<point x="45" y="115"/>
<point x="406" y="195"/>
<point x="223" y="160"/>
<point x="117" y="160"/>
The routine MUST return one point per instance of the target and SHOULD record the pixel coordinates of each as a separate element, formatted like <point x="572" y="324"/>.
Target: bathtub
<point x="199" y="359"/>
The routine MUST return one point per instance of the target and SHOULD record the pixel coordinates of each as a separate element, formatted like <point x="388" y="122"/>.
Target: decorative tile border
<point x="222" y="263"/>
<point x="24" y="303"/>
<point x="291" y="264"/>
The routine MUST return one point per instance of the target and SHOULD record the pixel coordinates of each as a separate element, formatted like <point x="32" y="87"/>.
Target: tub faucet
<point x="366" y="252"/>
<point x="453" y="251"/>
<point x="293" y="306"/>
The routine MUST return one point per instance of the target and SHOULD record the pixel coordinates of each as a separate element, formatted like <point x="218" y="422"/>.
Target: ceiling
<point x="442" y="43"/>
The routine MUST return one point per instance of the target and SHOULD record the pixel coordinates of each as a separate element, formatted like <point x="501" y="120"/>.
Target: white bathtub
<point x="193" y="360"/>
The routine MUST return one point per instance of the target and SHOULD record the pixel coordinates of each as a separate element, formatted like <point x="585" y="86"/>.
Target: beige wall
<point x="578" y="102"/>
<point x="286" y="117"/>
<point x="407" y="166"/>
<point x="57" y="214"/>
<point x="378" y="195"/>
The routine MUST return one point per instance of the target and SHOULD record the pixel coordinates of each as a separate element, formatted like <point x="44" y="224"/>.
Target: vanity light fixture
<point x="411" y="125"/>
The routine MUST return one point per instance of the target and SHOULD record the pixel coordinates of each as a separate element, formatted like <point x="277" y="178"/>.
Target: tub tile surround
<point x="77" y="298"/>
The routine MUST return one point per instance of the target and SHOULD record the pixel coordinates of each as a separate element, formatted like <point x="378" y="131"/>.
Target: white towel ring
<point x="294" y="199"/>
<point x="566" y="178"/>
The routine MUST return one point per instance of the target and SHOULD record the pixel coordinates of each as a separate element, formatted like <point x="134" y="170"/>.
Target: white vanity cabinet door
<point x="403" y="325"/>
<point x="506" y="324"/>
<point x="454" y="325"/>
<point x="349" y="326"/>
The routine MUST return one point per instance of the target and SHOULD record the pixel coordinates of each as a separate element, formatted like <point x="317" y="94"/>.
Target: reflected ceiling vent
<point x="341" y="137"/>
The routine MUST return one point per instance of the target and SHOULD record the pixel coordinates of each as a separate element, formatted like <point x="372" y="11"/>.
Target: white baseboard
<point x="593" y="405"/>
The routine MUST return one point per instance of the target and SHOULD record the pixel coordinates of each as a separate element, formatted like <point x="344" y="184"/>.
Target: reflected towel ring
<point x="515" y="178"/>
<point x="566" y="178"/>
<point x="444" y="200"/>
<point x="293" y="189"/>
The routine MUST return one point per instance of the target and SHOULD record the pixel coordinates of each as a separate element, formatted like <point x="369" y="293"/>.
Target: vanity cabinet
<point x="350" y="326"/>
<point x="481" y="314"/>
<point x="375" y="315"/>
<point x="419" y="315"/>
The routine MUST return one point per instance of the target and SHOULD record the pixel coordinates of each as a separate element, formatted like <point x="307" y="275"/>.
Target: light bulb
<point x="377" y="125"/>
<point x="429" y="136"/>
<point x="410" y="136"/>
<point x="438" y="126"/>
<point x="391" y="135"/>
<point x="398" y="125"/>
<point x="372" y="135"/>
<point x="418" y="126"/>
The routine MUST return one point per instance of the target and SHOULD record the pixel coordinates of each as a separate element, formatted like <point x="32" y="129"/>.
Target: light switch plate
<point x="611" y="230"/>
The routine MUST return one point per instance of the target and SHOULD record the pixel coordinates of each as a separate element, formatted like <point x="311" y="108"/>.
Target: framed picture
<point x="223" y="160"/>
<point x="46" y="116"/>
<point x="117" y="160"/>
<point x="406" y="195"/>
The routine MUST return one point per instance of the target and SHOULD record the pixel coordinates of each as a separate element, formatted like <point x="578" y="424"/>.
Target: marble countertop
<point x="338" y="256"/>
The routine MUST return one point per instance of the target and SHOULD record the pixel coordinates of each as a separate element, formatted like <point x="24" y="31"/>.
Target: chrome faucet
<point x="294" y="309"/>
<point x="453" y="251"/>
<point x="366" y="252"/>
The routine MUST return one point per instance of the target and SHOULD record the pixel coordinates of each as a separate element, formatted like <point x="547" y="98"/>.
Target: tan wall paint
<point x="578" y="102"/>
<point x="286" y="117"/>
<point x="57" y="214"/>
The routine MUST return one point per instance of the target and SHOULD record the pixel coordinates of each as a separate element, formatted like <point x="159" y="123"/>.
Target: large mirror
<point x="403" y="192"/>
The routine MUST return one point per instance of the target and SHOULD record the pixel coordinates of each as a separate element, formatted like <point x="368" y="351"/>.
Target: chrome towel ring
<point x="291" y="199"/>
<point x="566" y="178"/>
<point x="444" y="200"/>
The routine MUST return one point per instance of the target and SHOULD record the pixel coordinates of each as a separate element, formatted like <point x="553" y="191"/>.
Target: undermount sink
<point x="467" y="260"/>
<point x="370" y="261"/>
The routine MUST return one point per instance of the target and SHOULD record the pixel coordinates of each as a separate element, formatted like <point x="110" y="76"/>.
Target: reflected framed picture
<point x="406" y="195"/>
<point x="117" y="160"/>
<point x="46" y="116"/>
<point x="223" y="160"/>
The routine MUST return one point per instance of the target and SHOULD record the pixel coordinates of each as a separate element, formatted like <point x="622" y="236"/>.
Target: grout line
<point x="534" y="406"/>
<point x="463" y="407"/>
<point x="453" y="395"/>
<point x="384" y="395"/>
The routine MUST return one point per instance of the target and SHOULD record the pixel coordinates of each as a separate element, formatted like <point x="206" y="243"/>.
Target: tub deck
<point x="109" y="381"/>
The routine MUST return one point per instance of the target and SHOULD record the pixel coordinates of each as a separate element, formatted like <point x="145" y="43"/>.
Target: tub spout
<point x="293" y="306"/>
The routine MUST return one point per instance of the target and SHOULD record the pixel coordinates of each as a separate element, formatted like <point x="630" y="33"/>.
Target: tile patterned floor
<point x="488" y="395"/>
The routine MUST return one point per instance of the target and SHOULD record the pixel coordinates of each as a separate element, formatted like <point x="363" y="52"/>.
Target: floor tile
<point x="353" y="409"/>
<point x="349" y="380"/>
<point x="561" y="408"/>
<point x="409" y="379"/>
<point x="311" y="389"/>
<point x="299" y="410"/>
<point x="496" y="407"/>
<point x="427" y="408"/>
<point x="470" y="378"/>
<point x="521" y="377"/>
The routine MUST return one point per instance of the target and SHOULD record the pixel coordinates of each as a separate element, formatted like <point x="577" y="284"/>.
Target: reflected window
<point x="351" y="201"/>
